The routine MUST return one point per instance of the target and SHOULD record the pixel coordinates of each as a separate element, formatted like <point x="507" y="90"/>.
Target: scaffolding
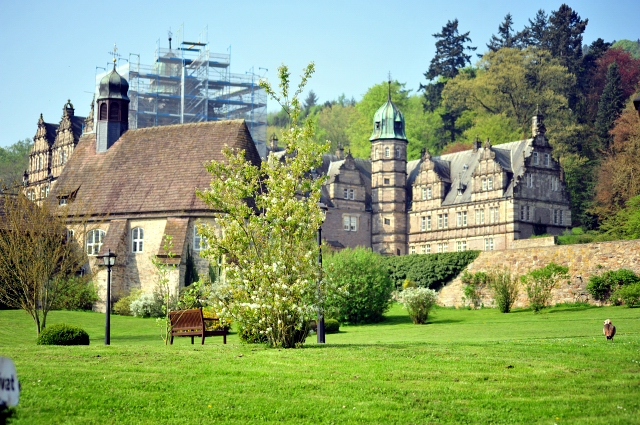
<point x="190" y="84"/>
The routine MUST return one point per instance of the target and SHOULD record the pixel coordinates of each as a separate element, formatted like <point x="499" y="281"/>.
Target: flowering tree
<point x="266" y="229"/>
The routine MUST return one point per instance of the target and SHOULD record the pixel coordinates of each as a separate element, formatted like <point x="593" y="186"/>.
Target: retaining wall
<point x="583" y="261"/>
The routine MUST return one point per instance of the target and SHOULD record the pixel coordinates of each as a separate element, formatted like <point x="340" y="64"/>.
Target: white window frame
<point x="93" y="247"/>
<point x="423" y="249"/>
<point x="461" y="246"/>
<point x="429" y="192"/>
<point x="464" y="218"/>
<point x="70" y="234"/>
<point x="428" y="248"/>
<point x="137" y="239"/>
<point x="346" y="223"/>
<point x="528" y="213"/>
<point x="491" y="215"/>
<point x="428" y="222"/>
<point x="423" y="223"/>
<point x="352" y="194"/>
<point x="535" y="158"/>
<point x="345" y="193"/>
<point x="412" y="249"/>
<point x="199" y="242"/>
<point x="424" y="193"/>
<point x="490" y="183"/>
<point x="387" y="152"/>
<point x="522" y="212"/>
<point x="547" y="159"/>
<point x="46" y="191"/>
<point x="440" y="221"/>
<point x="353" y="224"/>
<point x="488" y="244"/>
<point x="459" y="219"/>
<point x="555" y="216"/>
<point x="482" y="216"/>
<point x="484" y="184"/>
<point x="446" y="221"/>
<point x="560" y="217"/>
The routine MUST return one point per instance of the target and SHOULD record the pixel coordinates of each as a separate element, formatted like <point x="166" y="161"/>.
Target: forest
<point x="584" y="92"/>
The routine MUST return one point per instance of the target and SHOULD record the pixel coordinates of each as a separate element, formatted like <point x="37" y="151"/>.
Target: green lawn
<point x="463" y="367"/>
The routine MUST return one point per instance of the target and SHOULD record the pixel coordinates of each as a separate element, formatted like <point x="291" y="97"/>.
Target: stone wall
<point x="583" y="261"/>
<point x="534" y="242"/>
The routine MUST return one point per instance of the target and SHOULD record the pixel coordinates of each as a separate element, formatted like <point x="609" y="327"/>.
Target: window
<point x="442" y="247"/>
<point x="137" y="239"/>
<point x="439" y="221"/>
<point x="424" y="193"/>
<point x="461" y="246"/>
<point x="350" y="224"/>
<point x="46" y="192"/>
<point x="547" y="159"/>
<point x="493" y="214"/>
<point x="64" y="156"/>
<point x="103" y="112"/>
<point x="484" y="184"/>
<point x="397" y="152"/>
<point x="199" y="242"/>
<point x="398" y="252"/>
<point x="535" y="158"/>
<point x="428" y="249"/>
<point x="376" y="153"/>
<point x="529" y="180"/>
<point x="413" y="250"/>
<point x="114" y="112"/>
<point x="70" y="234"/>
<point x="490" y="183"/>
<point x="352" y="194"/>
<point x="354" y="224"/>
<point x="386" y="181"/>
<point x="458" y="219"/>
<point x="346" y="194"/>
<point x="423" y="223"/>
<point x="42" y="192"/>
<point x="429" y="222"/>
<point x="528" y="213"/>
<point x="423" y="249"/>
<point x="555" y="183"/>
<point x="94" y="241"/>
<point x="464" y="218"/>
<point x="559" y="216"/>
<point x="429" y="193"/>
<point x="62" y="202"/>
<point x="387" y="221"/>
<point x="387" y="153"/>
<point x="522" y="212"/>
<point x="488" y="244"/>
<point x="446" y="222"/>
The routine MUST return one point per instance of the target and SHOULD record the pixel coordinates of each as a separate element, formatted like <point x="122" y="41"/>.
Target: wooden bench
<point x="192" y="323"/>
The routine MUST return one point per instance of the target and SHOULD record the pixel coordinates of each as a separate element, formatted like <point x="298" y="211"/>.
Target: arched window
<point x="114" y="112"/>
<point x="94" y="241"/>
<point x="137" y="239"/>
<point x="387" y="153"/>
<point x="103" y="112"/>
<point x="376" y="155"/>
<point x="397" y="152"/>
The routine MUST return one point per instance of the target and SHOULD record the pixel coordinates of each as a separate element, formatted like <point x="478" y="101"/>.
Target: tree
<point x="266" y="230"/>
<point x="311" y="100"/>
<point x="536" y="34"/>
<point x="38" y="254"/>
<point x="506" y="36"/>
<point x="540" y="282"/>
<point x="610" y="105"/>
<point x="14" y="161"/>
<point x="450" y="57"/>
<point x="515" y="83"/>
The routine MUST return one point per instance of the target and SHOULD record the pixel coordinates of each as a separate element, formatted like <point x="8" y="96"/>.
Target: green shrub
<point x="419" y="302"/>
<point x="76" y="293"/>
<point x="428" y="270"/>
<point x="331" y="326"/>
<point x="366" y="279"/>
<point x="540" y="282"/>
<point x="63" y="334"/>
<point x="601" y="286"/>
<point x="505" y="287"/>
<point x="250" y="335"/>
<point x="472" y="285"/>
<point x="629" y="294"/>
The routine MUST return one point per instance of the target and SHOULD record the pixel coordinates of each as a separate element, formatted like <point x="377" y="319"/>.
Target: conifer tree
<point x="537" y="32"/>
<point x="610" y="106"/>
<point x="506" y="36"/>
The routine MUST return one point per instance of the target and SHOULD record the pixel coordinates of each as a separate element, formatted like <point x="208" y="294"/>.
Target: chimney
<point x="477" y="143"/>
<point x="340" y="151"/>
<point x="537" y="124"/>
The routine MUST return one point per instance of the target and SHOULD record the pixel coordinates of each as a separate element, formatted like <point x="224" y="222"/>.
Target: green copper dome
<point x="113" y="86"/>
<point x="388" y="122"/>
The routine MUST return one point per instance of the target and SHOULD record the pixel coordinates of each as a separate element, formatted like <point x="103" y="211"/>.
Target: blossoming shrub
<point x="210" y="313"/>
<point x="143" y="306"/>
<point x="365" y="277"/>
<point x="265" y="232"/>
<point x="419" y="302"/>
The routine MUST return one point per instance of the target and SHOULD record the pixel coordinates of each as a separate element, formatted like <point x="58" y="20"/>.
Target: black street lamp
<point x="636" y="104"/>
<point x="109" y="260"/>
<point x="320" y="318"/>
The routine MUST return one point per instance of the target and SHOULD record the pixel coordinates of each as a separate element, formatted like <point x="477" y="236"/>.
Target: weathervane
<point x="115" y="55"/>
<point x="389" y="94"/>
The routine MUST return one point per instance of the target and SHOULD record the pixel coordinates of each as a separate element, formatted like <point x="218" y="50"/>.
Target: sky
<point x="54" y="47"/>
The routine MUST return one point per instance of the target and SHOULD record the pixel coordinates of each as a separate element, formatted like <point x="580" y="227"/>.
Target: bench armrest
<point x="210" y="318"/>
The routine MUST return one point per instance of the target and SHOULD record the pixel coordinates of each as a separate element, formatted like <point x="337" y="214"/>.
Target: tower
<point x="113" y="109"/>
<point x="388" y="180"/>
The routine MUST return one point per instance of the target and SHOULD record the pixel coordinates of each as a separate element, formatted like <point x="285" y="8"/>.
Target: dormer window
<point x="429" y="193"/>
<point x="484" y="184"/>
<point x="346" y="194"/>
<point x="352" y="194"/>
<point x="547" y="159"/>
<point x="377" y="125"/>
<point x="535" y="158"/>
<point x="387" y="153"/>
<point x="490" y="183"/>
<point x="424" y="193"/>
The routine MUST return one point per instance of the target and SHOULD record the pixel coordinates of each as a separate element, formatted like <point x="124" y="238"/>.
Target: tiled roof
<point x="150" y="170"/>
<point x="177" y="229"/>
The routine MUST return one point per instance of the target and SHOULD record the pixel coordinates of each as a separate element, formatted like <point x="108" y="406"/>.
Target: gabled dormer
<point x="491" y="175"/>
<point x="432" y="183"/>
<point x="346" y="186"/>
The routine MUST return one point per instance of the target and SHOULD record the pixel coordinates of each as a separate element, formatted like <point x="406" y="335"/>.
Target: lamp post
<point x="636" y="104"/>
<point x="320" y="318"/>
<point x="109" y="259"/>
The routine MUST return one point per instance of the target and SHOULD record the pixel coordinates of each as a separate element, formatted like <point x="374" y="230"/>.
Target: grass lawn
<point x="463" y="367"/>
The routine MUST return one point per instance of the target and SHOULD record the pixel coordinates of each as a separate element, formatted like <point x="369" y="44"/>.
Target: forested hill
<point x="13" y="162"/>
<point x="632" y="47"/>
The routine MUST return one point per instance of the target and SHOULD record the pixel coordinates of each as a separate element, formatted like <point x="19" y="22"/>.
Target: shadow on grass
<point x="442" y="322"/>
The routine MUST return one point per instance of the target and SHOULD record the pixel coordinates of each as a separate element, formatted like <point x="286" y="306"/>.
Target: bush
<point x="505" y="287"/>
<point x="146" y="305"/>
<point x="331" y="326"/>
<point x="472" y="285"/>
<point x="629" y="294"/>
<point x="63" y="334"/>
<point x="250" y="335"/>
<point x="123" y="305"/>
<point x="419" y="302"/>
<point x="600" y="286"/>
<point x="428" y="270"/>
<point x="222" y="324"/>
<point x="365" y="277"/>
<point x="76" y="293"/>
<point x="540" y="282"/>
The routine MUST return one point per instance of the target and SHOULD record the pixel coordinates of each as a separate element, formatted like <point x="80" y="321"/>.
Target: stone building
<point x="481" y="199"/>
<point x="139" y="184"/>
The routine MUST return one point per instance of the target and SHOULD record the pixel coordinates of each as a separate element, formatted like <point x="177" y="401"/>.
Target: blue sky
<point x="52" y="48"/>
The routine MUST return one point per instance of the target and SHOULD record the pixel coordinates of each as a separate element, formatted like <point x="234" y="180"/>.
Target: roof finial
<point x="114" y="54"/>
<point x="389" y="95"/>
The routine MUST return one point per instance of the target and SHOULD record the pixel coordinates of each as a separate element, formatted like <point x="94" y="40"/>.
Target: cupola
<point x="113" y="109"/>
<point x="388" y="122"/>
